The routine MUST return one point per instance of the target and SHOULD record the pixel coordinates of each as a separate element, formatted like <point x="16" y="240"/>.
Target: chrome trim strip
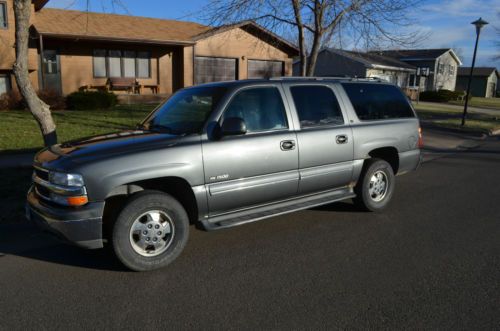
<point x="58" y="189"/>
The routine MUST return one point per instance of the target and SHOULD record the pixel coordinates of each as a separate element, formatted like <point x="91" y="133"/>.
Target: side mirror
<point x="233" y="126"/>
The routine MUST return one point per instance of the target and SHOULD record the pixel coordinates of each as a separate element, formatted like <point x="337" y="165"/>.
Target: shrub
<point x="440" y="96"/>
<point x="11" y="100"/>
<point x="52" y="98"/>
<point x="90" y="100"/>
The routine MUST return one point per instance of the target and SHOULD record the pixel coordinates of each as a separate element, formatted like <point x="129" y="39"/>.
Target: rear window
<point x="378" y="101"/>
<point x="316" y="106"/>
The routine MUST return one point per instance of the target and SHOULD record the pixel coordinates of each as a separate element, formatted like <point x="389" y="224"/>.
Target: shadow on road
<point x="25" y="240"/>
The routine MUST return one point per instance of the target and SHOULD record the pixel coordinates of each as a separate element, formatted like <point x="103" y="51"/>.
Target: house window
<point x="129" y="64"/>
<point x="4" y="84"/>
<point x="441" y="68"/>
<point x="100" y="63"/>
<point x="116" y="63"/>
<point x="3" y="15"/>
<point x="143" y="64"/>
<point x="451" y="70"/>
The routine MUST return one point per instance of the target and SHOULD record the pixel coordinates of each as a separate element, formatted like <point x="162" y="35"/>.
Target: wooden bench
<point x="154" y="88"/>
<point x="123" y="84"/>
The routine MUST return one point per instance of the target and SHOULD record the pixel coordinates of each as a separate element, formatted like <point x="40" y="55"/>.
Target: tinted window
<point x="261" y="108"/>
<point x="186" y="111"/>
<point x="316" y="106"/>
<point x="378" y="101"/>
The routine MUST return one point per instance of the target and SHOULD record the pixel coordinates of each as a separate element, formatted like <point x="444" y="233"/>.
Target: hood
<point x="102" y="146"/>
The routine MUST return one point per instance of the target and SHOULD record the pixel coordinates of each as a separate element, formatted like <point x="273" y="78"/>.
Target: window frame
<point x="6" y="13"/>
<point x="137" y="64"/>
<point x="9" y="82"/>
<point x="122" y="63"/>
<point x="317" y="127"/>
<point x="235" y="93"/>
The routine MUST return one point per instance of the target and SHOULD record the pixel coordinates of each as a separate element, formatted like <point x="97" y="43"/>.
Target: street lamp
<point x="479" y="25"/>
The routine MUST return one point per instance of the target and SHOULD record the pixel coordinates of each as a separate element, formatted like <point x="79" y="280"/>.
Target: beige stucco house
<point x="74" y="50"/>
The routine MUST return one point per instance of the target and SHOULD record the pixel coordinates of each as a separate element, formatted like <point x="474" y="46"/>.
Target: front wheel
<point x="150" y="232"/>
<point x="375" y="187"/>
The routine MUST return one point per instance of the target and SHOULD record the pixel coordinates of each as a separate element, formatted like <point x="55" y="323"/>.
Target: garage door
<point x="264" y="69"/>
<point x="213" y="69"/>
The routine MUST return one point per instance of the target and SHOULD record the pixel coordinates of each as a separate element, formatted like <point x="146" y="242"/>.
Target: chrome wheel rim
<point x="378" y="186"/>
<point x="152" y="233"/>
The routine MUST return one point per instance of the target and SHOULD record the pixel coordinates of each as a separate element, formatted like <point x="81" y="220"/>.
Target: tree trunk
<point x="318" y="34"/>
<point x="311" y="65"/>
<point x="302" y="44"/>
<point x="39" y="109"/>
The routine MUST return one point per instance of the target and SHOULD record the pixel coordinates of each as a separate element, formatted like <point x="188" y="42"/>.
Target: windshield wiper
<point x="165" y="129"/>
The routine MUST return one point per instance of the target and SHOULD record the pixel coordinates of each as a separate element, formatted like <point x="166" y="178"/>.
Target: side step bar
<point x="289" y="206"/>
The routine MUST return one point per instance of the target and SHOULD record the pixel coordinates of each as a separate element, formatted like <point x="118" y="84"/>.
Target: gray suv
<point x="225" y="154"/>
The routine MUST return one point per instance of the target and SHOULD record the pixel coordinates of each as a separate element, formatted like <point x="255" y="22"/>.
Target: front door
<point x="258" y="167"/>
<point x="324" y="140"/>
<point x="51" y="71"/>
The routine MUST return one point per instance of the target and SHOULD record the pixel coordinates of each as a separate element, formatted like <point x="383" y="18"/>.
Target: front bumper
<point x="80" y="226"/>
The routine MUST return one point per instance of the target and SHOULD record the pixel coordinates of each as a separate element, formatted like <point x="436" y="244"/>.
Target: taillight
<point x="420" y="138"/>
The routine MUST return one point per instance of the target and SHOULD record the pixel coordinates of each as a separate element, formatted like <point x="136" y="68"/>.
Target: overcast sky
<point x="446" y="21"/>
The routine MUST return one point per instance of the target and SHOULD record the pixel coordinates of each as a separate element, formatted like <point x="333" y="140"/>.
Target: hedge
<point x="91" y="100"/>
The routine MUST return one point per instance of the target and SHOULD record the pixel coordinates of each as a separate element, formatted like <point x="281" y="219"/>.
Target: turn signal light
<point x="77" y="201"/>
<point x="420" y="138"/>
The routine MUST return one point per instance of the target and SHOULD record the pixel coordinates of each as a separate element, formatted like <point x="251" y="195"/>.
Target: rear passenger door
<point x="324" y="139"/>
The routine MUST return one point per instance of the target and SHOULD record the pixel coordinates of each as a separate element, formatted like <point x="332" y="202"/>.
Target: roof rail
<point x="326" y="78"/>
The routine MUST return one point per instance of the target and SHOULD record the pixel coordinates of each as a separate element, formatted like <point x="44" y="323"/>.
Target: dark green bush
<point x="91" y="100"/>
<point x="440" y="96"/>
<point x="52" y="98"/>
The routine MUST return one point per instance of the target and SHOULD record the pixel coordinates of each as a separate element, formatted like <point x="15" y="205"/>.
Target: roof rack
<point x="376" y="79"/>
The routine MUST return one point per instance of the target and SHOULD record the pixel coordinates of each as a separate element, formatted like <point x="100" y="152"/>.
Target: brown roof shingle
<point x="88" y="25"/>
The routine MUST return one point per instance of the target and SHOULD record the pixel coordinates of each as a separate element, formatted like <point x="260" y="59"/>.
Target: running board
<point x="275" y="209"/>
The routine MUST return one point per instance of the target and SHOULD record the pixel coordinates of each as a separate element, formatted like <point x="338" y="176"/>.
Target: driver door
<point x="260" y="166"/>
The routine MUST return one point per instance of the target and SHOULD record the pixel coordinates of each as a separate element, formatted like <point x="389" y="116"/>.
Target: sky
<point x="446" y="22"/>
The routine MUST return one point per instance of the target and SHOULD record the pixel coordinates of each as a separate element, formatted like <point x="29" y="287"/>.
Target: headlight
<point x="63" y="179"/>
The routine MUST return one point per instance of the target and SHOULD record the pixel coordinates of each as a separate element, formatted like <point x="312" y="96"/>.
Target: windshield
<point x="186" y="111"/>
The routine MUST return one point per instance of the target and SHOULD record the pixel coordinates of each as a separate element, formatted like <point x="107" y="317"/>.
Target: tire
<point x="150" y="232"/>
<point x="371" y="194"/>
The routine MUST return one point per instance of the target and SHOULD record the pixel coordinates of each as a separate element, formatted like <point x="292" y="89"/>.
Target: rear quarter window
<point x="378" y="101"/>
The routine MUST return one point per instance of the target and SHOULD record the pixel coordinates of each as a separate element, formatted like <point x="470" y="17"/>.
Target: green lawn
<point x="481" y="102"/>
<point x="451" y="118"/>
<point x="19" y="131"/>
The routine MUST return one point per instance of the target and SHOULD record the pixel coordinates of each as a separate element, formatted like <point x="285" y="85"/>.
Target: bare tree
<point x="317" y="22"/>
<point x="39" y="109"/>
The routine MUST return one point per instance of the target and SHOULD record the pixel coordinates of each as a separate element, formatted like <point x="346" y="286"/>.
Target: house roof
<point x="256" y="29"/>
<point x="417" y="54"/>
<point x="98" y="26"/>
<point x="478" y="71"/>
<point x="372" y="60"/>
<point x="89" y="25"/>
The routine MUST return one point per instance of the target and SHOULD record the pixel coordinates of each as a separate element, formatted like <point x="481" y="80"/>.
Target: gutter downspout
<point x="42" y="74"/>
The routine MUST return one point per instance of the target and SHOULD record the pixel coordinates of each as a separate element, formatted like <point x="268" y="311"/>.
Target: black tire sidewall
<point x="136" y="206"/>
<point x="367" y="201"/>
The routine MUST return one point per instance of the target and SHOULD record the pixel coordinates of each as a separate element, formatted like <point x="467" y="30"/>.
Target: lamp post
<point x="479" y="25"/>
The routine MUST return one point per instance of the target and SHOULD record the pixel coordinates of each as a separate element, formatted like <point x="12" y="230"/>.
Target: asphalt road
<point x="432" y="260"/>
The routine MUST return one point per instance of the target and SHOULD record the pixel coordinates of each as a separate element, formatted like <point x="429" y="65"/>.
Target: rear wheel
<point x="150" y="232"/>
<point x="375" y="187"/>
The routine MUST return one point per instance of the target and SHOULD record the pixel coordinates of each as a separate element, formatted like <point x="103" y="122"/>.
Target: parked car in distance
<point x="225" y="154"/>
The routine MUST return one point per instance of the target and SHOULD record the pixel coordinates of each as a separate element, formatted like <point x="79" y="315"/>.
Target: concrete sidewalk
<point x="471" y="110"/>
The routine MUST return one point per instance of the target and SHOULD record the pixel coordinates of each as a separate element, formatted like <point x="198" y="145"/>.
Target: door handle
<point x="341" y="139"/>
<point x="287" y="145"/>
